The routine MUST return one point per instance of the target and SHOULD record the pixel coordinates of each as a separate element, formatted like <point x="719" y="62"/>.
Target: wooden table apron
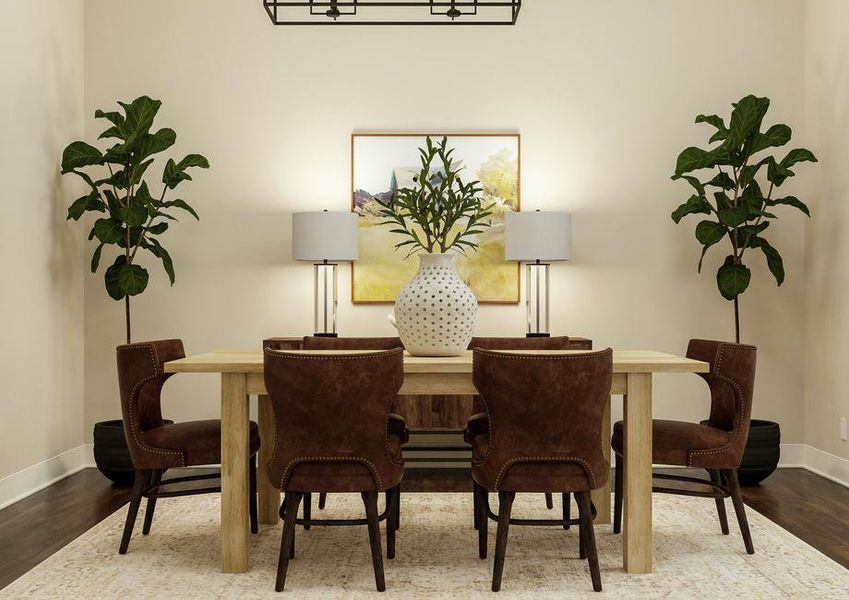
<point x="241" y="377"/>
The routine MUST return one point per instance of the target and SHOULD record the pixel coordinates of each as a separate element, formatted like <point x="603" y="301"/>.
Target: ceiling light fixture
<point x="393" y="12"/>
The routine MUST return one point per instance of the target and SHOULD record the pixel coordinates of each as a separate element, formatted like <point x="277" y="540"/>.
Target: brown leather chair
<point x="157" y="445"/>
<point x="344" y="343"/>
<point x="523" y="343"/>
<point x="715" y="445"/>
<point x="541" y="433"/>
<point x="334" y="433"/>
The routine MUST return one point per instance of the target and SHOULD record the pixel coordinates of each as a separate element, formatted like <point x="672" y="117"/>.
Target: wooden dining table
<point x="242" y="376"/>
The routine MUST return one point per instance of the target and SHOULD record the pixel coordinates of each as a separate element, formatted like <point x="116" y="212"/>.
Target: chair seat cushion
<point x="681" y="443"/>
<point x="341" y="477"/>
<point x="527" y="477"/>
<point x="199" y="441"/>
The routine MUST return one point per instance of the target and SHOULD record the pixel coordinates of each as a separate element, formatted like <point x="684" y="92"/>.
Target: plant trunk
<point x="736" y="319"/>
<point x="127" y="315"/>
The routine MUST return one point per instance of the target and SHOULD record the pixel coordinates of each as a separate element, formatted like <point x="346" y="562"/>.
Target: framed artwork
<point x="382" y="163"/>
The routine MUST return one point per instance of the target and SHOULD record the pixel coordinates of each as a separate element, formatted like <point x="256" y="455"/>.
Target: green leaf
<point x="182" y="204"/>
<point x="710" y="232"/>
<point x="777" y="173"/>
<point x="80" y="154"/>
<point x="775" y="136"/>
<point x="193" y="160"/>
<point x="135" y="215"/>
<point x="755" y="229"/>
<point x="695" y="205"/>
<point x="163" y="255"/>
<point x="154" y="143"/>
<point x="173" y="175"/>
<point x="95" y="258"/>
<point x="716" y="121"/>
<point x="734" y="215"/>
<point x="693" y="159"/>
<point x="81" y="205"/>
<point x="693" y="181"/>
<point x="158" y="228"/>
<point x="109" y="231"/>
<point x="790" y="201"/>
<point x="732" y="278"/>
<point x="115" y="118"/>
<point x="746" y="119"/>
<point x="773" y="258"/>
<point x="796" y="156"/>
<point x="140" y="115"/>
<point x="110" y="278"/>
<point x="133" y="279"/>
<point x="722" y="180"/>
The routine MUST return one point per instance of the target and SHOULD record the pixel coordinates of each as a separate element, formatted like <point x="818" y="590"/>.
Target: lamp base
<point x="537" y="335"/>
<point x="326" y="335"/>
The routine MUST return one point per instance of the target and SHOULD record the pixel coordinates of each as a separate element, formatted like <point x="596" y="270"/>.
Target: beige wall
<point x="604" y="94"/>
<point x="827" y="257"/>
<point x="41" y="256"/>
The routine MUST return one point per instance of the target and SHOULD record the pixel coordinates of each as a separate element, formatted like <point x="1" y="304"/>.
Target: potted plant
<point x="130" y="218"/>
<point x="740" y="197"/>
<point x="435" y="312"/>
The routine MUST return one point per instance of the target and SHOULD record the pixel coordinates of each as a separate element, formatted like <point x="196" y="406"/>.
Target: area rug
<point x="436" y="558"/>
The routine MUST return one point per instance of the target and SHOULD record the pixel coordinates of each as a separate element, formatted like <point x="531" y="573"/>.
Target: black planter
<point x="111" y="453"/>
<point x="762" y="452"/>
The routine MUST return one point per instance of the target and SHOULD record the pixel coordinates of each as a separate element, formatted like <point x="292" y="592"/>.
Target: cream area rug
<point x="436" y="557"/>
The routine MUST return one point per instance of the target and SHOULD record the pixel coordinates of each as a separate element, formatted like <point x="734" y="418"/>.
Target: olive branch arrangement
<point x="440" y="211"/>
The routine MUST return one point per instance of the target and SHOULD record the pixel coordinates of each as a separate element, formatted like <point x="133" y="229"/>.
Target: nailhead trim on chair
<point x="133" y="428"/>
<point x="287" y="472"/>
<point x="545" y="459"/>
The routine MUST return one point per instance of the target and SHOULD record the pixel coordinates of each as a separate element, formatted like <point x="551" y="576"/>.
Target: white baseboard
<point x="25" y="482"/>
<point x="827" y="465"/>
<point x="792" y="456"/>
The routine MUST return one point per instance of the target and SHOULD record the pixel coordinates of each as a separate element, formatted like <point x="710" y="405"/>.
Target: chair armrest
<point x="477" y="425"/>
<point x="398" y="427"/>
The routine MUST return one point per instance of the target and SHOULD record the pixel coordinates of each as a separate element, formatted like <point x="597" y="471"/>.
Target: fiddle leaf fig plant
<point x="130" y="216"/>
<point x="440" y="211"/>
<point x="736" y="185"/>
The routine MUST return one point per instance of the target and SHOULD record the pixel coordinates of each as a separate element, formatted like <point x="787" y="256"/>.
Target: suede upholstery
<point x="351" y="343"/>
<point x="720" y="443"/>
<point x="332" y="421"/>
<point x="543" y="422"/>
<point x="154" y="444"/>
<point x="520" y="343"/>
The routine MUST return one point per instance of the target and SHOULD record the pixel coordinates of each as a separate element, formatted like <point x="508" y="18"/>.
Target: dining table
<point x="241" y="376"/>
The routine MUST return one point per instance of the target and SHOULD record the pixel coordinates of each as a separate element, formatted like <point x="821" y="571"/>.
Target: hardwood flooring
<point x="808" y="506"/>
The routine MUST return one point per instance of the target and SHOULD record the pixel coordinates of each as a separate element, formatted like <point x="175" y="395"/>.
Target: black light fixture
<point x="393" y="12"/>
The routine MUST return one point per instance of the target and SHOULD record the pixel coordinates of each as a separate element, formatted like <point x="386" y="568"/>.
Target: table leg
<point x="637" y="541"/>
<point x="234" y="473"/>
<point x="601" y="496"/>
<point x="269" y="496"/>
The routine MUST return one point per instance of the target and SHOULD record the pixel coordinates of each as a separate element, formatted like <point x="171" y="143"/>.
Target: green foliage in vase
<point x="440" y="211"/>
<point x="739" y="207"/>
<point x="132" y="217"/>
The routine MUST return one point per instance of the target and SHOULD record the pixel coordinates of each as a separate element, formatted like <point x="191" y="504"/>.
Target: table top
<point x="624" y="361"/>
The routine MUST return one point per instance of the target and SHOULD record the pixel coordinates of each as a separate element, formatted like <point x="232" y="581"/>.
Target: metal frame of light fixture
<point x="332" y="10"/>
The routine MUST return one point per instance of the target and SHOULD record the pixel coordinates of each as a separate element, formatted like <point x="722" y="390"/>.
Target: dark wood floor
<point x="808" y="506"/>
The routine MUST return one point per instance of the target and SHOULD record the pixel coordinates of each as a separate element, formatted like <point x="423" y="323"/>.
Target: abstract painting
<point x="383" y="163"/>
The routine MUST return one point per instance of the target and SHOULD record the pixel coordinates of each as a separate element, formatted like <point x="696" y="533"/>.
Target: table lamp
<point x="325" y="238"/>
<point x="538" y="238"/>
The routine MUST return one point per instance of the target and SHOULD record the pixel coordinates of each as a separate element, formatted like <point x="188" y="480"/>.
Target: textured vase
<point x="435" y="312"/>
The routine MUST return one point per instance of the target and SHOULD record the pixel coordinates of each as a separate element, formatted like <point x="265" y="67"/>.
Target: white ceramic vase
<point x="435" y="312"/>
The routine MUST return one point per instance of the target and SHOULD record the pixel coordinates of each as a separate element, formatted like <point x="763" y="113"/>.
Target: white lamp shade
<point x="532" y="236"/>
<point x="320" y="236"/>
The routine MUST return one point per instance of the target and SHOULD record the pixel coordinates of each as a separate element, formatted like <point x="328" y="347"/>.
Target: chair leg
<point x="370" y="501"/>
<point x="252" y="497"/>
<point x="475" y="507"/>
<point x="739" y="508"/>
<point x="720" y="502"/>
<point x="322" y="500"/>
<point x="153" y="480"/>
<point x="307" y="510"/>
<point x="391" y="505"/>
<point x="549" y="500"/>
<point x="618" y="480"/>
<point x="505" y="506"/>
<point x="567" y="510"/>
<point x="582" y="533"/>
<point x="398" y="507"/>
<point x="135" y="501"/>
<point x="483" y="520"/>
<point x="585" y="509"/>
<point x="287" y="542"/>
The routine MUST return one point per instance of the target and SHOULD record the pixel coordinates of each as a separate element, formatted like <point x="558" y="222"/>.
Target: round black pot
<point x="762" y="452"/>
<point x="111" y="453"/>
